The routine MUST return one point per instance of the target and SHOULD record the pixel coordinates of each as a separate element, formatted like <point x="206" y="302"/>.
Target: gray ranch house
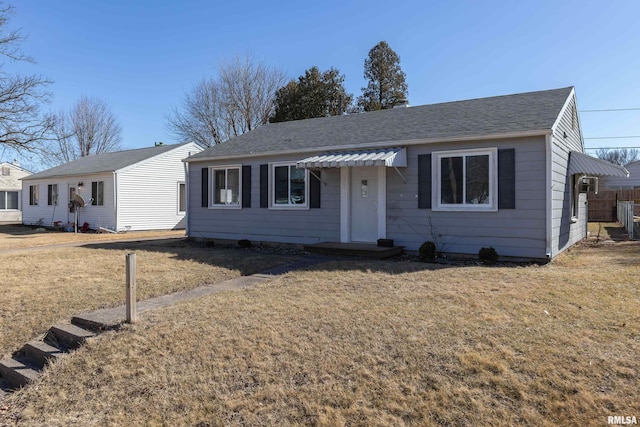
<point x="503" y="171"/>
<point x="141" y="189"/>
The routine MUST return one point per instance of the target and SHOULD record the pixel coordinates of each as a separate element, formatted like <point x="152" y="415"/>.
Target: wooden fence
<point x="602" y="206"/>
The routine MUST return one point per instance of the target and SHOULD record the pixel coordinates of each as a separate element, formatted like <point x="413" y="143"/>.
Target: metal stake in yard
<point x="132" y="314"/>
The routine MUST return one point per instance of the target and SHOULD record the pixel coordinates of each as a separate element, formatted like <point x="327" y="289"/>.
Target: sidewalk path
<point x="112" y="318"/>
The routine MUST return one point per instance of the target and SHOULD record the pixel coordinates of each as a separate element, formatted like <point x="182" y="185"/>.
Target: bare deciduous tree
<point x="619" y="156"/>
<point x="239" y="100"/>
<point x="22" y="126"/>
<point x="89" y="128"/>
<point x="200" y="118"/>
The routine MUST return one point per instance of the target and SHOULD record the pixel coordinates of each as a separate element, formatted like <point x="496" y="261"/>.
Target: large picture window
<point x="8" y="200"/>
<point x="465" y="180"/>
<point x="226" y="186"/>
<point x="289" y="187"/>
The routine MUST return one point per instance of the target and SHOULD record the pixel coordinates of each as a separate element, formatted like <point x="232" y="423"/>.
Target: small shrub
<point x="210" y="243"/>
<point x="488" y="255"/>
<point x="244" y="243"/>
<point x="427" y="251"/>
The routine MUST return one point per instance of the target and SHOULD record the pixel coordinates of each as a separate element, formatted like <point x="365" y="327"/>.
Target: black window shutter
<point x="314" y="190"/>
<point x="246" y="186"/>
<point x="205" y="187"/>
<point x="424" y="181"/>
<point x="264" y="186"/>
<point x="507" y="178"/>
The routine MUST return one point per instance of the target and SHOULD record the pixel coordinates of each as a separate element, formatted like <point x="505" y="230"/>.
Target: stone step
<point x="40" y="353"/>
<point x="66" y="336"/>
<point x="16" y="373"/>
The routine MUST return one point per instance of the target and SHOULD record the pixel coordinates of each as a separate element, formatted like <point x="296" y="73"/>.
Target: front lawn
<point x="370" y="343"/>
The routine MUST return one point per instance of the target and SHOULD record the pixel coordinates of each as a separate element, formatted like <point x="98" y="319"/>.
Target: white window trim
<point x="6" y="198"/>
<point x="272" y="205"/>
<point x="96" y="200"/>
<point x="492" y="206"/>
<point x="35" y="191"/>
<point x="185" y="197"/>
<point x="212" y="187"/>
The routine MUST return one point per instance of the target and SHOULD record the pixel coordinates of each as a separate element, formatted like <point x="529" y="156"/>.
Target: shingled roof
<point x="101" y="163"/>
<point x="509" y="114"/>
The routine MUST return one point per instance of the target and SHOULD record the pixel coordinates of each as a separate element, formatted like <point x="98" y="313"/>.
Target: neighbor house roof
<point x="525" y="113"/>
<point x="101" y="163"/>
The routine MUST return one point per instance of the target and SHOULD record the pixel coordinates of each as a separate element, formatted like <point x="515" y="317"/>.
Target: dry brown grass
<point x="20" y="237"/>
<point x="370" y="343"/>
<point x="45" y="286"/>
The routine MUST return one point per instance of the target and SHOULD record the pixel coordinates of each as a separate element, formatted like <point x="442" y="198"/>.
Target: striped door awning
<point x="580" y="163"/>
<point x="390" y="157"/>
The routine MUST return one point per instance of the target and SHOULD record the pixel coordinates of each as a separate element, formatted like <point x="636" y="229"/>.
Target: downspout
<point x="186" y="195"/>
<point x="115" y="201"/>
<point x="549" y="196"/>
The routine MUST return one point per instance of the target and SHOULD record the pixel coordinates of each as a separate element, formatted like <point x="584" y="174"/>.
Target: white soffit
<point x="580" y="163"/>
<point x="390" y="157"/>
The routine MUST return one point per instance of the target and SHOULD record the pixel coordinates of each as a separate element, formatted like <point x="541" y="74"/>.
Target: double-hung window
<point x="289" y="186"/>
<point x="226" y="186"/>
<point x="33" y="195"/>
<point x="97" y="193"/>
<point x="465" y="180"/>
<point x="182" y="197"/>
<point x="52" y="194"/>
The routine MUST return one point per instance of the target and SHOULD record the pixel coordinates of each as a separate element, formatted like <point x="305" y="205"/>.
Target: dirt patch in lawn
<point x="370" y="343"/>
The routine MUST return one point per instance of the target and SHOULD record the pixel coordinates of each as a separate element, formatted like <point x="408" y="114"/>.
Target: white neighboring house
<point x="11" y="192"/>
<point x="142" y="189"/>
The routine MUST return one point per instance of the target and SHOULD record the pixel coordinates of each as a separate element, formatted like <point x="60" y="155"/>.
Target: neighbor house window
<point x="52" y="194"/>
<point x="465" y="180"/>
<point x="182" y="197"/>
<point x="8" y="200"/>
<point x="97" y="193"/>
<point x="289" y="186"/>
<point x="226" y="186"/>
<point x="6" y="171"/>
<point x="33" y="195"/>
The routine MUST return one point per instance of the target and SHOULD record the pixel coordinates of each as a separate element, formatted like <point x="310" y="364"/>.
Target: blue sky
<point x="142" y="56"/>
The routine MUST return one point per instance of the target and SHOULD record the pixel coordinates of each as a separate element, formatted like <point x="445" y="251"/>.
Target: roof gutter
<point x="379" y="144"/>
<point x="548" y="197"/>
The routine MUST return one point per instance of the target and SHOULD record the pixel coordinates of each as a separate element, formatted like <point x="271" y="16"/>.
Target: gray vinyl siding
<point x="566" y="137"/>
<point x="618" y="183"/>
<point x="516" y="232"/>
<point x="96" y="216"/>
<point x="148" y="192"/>
<point x="264" y="224"/>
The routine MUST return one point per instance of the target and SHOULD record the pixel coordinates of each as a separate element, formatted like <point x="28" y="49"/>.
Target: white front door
<point x="364" y="204"/>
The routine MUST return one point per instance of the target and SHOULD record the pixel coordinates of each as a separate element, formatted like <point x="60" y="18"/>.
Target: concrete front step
<point x="16" y="373"/>
<point x="40" y="353"/>
<point x="67" y="336"/>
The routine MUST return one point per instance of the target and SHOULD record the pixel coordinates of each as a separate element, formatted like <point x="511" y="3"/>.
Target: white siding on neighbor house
<point x="518" y="232"/>
<point x="12" y="183"/>
<point x="263" y="224"/>
<point x="44" y="214"/>
<point x="566" y="137"/>
<point x="148" y="191"/>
